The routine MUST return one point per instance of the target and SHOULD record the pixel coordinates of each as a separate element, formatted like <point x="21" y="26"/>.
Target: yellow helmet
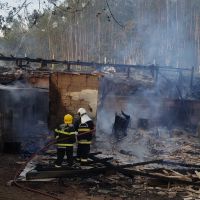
<point x="68" y="119"/>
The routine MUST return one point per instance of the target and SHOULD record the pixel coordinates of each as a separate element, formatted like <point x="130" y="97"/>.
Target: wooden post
<point x="128" y="72"/>
<point x="19" y="62"/>
<point x="192" y="76"/>
<point x="43" y="64"/>
<point x="156" y="71"/>
<point x="68" y="67"/>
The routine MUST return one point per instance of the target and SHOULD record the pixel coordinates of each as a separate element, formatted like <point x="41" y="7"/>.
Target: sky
<point x="32" y="4"/>
<point x="38" y="5"/>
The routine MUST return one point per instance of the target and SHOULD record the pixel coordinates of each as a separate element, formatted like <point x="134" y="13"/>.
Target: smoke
<point x="113" y="103"/>
<point x="105" y="120"/>
<point x="162" y="34"/>
<point x="145" y="102"/>
<point x="25" y="112"/>
<point x="143" y="105"/>
<point x="165" y="46"/>
<point x="18" y="90"/>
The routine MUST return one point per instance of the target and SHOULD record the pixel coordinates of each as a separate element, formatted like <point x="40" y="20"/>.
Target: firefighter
<point x="66" y="138"/>
<point x="84" y="126"/>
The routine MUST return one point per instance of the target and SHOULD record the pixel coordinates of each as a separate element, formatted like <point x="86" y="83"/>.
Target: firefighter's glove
<point x="76" y="133"/>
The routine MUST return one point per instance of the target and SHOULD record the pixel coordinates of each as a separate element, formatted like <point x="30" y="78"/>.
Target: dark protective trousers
<point x="61" y="153"/>
<point x="82" y="151"/>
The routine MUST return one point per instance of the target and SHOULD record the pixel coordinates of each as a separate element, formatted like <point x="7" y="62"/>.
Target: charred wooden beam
<point x="120" y="125"/>
<point x="93" y="64"/>
<point x="95" y="153"/>
<point x="68" y="67"/>
<point x="141" y="163"/>
<point x="164" y="162"/>
<point x="131" y="173"/>
<point x="108" y="164"/>
<point x="177" y="169"/>
<point x="192" y="77"/>
<point x="65" y="173"/>
<point x="159" y="161"/>
<point x="43" y="64"/>
<point x="167" y="162"/>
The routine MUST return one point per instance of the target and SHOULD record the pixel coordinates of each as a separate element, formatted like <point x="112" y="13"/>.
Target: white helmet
<point x="83" y="114"/>
<point x="81" y="111"/>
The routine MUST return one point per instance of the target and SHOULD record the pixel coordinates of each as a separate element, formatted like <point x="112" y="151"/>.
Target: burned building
<point x="30" y="110"/>
<point x="158" y="103"/>
<point x="138" y="92"/>
<point x="134" y="111"/>
<point x="70" y="91"/>
<point x="23" y="116"/>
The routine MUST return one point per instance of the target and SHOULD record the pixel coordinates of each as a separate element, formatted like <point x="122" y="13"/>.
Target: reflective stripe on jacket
<point x="65" y="145"/>
<point x="65" y="135"/>
<point x="84" y="142"/>
<point x="84" y="132"/>
<point x="63" y="132"/>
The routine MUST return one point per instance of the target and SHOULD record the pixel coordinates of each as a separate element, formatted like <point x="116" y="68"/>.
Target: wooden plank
<point x="180" y="170"/>
<point x="65" y="173"/>
<point x="141" y="163"/>
<point x="132" y="173"/>
<point x="167" y="162"/>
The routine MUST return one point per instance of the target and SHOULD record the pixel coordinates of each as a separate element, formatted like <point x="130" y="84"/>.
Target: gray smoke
<point x="25" y="110"/>
<point x="146" y="102"/>
<point x="163" y="34"/>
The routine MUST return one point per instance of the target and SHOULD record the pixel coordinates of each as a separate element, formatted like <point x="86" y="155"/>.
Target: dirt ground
<point x="8" y="168"/>
<point x="69" y="190"/>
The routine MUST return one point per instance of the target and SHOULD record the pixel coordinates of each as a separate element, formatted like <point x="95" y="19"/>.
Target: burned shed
<point x="143" y="93"/>
<point x="151" y="92"/>
<point x="154" y="97"/>
<point x="134" y="111"/>
<point x="23" y="117"/>
<point x="70" y="91"/>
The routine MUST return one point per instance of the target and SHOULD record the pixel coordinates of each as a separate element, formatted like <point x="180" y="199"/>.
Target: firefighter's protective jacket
<point x="85" y="131"/>
<point x="65" y="135"/>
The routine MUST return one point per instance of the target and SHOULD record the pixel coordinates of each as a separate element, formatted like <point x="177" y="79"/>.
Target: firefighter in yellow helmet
<point x="85" y="127"/>
<point x="66" y="138"/>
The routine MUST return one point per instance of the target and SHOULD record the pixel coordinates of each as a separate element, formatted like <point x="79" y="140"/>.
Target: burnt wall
<point x="144" y="100"/>
<point x="181" y="112"/>
<point x="166" y="112"/>
<point x="23" y="116"/>
<point x="38" y="80"/>
<point x="70" y="91"/>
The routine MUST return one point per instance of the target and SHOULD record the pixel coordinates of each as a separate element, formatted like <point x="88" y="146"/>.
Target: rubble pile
<point x="160" y="162"/>
<point x="175" y="172"/>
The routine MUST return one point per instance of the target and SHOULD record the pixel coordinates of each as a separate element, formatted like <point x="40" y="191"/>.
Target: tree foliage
<point x="164" y="32"/>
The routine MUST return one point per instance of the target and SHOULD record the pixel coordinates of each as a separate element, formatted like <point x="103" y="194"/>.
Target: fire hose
<point x="35" y="154"/>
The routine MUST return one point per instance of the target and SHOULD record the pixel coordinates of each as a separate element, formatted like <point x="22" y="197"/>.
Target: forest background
<point x="161" y="32"/>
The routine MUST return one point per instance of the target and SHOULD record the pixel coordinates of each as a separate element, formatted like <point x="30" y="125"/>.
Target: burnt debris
<point x="120" y="125"/>
<point x="143" y="123"/>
